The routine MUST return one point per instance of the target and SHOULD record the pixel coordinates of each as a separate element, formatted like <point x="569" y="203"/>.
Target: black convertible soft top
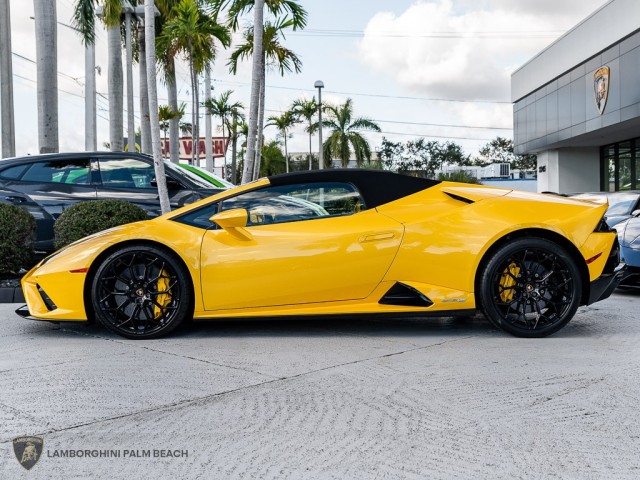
<point x="377" y="187"/>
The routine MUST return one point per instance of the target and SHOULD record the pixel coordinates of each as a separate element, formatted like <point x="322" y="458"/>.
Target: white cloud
<point x="466" y="66"/>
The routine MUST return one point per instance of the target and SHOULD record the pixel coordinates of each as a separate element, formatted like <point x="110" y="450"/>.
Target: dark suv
<point x="47" y="184"/>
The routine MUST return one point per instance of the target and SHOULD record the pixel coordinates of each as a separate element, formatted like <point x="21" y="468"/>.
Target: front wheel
<point x="141" y="292"/>
<point x="530" y="287"/>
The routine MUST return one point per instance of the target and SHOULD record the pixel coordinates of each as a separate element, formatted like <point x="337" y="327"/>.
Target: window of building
<point x="620" y="166"/>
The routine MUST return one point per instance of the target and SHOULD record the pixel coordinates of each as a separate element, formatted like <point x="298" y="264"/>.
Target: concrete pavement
<point x="326" y="399"/>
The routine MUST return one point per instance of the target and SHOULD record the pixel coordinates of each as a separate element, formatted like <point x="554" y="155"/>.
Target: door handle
<point x="13" y="199"/>
<point x="375" y="237"/>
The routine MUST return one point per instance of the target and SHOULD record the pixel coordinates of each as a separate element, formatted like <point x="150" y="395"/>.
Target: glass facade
<point x="620" y="166"/>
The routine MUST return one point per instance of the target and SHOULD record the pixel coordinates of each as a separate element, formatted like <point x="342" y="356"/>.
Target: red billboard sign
<point x="218" y="147"/>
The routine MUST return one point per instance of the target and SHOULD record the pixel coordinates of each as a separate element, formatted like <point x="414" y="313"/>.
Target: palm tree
<point x="84" y="20"/>
<point x="345" y="134"/>
<point x="47" y="74"/>
<point x="168" y="67"/>
<point x="283" y="123"/>
<point x="158" y="161"/>
<point x="236" y="129"/>
<point x="165" y="115"/>
<point x="307" y="109"/>
<point x="275" y="55"/>
<point x="186" y="128"/>
<point x="222" y="108"/>
<point x="274" y="160"/>
<point x="6" y="84"/>
<point x="145" y="124"/>
<point x="192" y="32"/>
<point x="237" y="8"/>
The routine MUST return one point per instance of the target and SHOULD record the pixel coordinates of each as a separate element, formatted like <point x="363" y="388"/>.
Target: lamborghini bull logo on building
<point x="601" y="88"/>
<point x="28" y="450"/>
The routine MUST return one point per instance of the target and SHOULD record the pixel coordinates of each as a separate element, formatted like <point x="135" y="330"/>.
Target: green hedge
<point x="86" y="218"/>
<point x="17" y="232"/>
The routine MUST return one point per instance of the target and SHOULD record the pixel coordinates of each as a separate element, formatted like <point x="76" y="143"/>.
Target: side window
<point x="14" y="173"/>
<point x="200" y="217"/>
<point x="126" y="173"/>
<point x="74" y="172"/>
<point x="293" y="203"/>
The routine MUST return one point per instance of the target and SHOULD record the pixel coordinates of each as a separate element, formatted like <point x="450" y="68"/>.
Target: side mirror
<point x="233" y="221"/>
<point x="635" y="213"/>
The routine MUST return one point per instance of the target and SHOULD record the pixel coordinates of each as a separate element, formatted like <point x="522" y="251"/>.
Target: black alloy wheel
<point x="141" y="292"/>
<point x="530" y="287"/>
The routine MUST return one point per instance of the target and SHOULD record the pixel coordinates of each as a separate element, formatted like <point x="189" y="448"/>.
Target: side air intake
<point x="401" y="294"/>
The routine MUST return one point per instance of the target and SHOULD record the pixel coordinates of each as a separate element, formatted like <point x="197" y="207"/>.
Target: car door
<point x="305" y="244"/>
<point x="55" y="183"/>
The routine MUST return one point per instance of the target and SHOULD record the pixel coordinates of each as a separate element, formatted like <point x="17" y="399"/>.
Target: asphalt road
<point x="345" y="399"/>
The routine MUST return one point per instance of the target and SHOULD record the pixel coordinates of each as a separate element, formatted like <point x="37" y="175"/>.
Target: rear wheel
<point x="530" y="287"/>
<point x="141" y="292"/>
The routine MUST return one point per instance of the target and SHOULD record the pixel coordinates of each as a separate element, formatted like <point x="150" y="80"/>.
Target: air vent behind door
<point x="401" y="294"/>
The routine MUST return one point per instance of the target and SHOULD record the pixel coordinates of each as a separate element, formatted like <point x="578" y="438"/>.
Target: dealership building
<point x="576" y="104"/>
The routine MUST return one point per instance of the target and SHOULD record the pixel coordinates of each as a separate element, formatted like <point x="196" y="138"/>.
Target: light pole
<point x="319" y="85"/>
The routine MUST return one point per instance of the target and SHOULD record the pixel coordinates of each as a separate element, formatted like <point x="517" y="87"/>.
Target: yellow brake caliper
<point x="163" y="299"/>
<point x="507" y="281"/>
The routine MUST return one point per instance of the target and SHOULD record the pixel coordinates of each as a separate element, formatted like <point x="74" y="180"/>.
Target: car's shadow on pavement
<point x="334" y="326"/>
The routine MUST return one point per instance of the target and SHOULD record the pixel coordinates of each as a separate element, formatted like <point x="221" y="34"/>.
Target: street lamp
<point x="319" y="85"/>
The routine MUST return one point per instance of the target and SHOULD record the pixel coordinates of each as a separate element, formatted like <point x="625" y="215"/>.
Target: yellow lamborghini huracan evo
<point x="338" y="242"/>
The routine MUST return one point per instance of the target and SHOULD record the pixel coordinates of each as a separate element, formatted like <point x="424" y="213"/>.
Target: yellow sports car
<point x="338" y="242"/>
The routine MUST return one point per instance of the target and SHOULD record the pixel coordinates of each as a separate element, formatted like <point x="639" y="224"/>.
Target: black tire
<point x="141" y="292"/>
<point x="530" y="287"/>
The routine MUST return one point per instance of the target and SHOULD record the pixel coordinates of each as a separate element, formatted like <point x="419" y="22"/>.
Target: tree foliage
<point x="18" y="232"/>
<point x="421" y="156"/>
<point x="500" y="150"/>
<point x="345" y="135"/>
<point x="87" y="218"/>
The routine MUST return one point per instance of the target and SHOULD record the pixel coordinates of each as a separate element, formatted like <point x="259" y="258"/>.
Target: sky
<point x="438" y="69"/>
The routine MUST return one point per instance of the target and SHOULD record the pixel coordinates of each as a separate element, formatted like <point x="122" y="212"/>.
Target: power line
<point x="378" y="95"/>
<point x="22" y="57"/>
<point x="444" y="125"/>
<point x="436" y="136"/>
<point x="59" y="90"/>
<point x="423" y="123"/>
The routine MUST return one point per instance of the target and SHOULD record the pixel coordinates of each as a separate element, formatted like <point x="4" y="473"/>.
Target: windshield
<point x="621" y="204"/>
<point x="198" y="181"/>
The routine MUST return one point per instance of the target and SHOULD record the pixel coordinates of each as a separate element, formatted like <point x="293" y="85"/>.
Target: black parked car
<point x="47" y="184"/>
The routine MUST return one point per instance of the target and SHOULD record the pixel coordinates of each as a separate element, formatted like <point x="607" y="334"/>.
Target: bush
<point x="86" y="218"/>
<point x="18" y="232"/>
<point x="461" y="176"/>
